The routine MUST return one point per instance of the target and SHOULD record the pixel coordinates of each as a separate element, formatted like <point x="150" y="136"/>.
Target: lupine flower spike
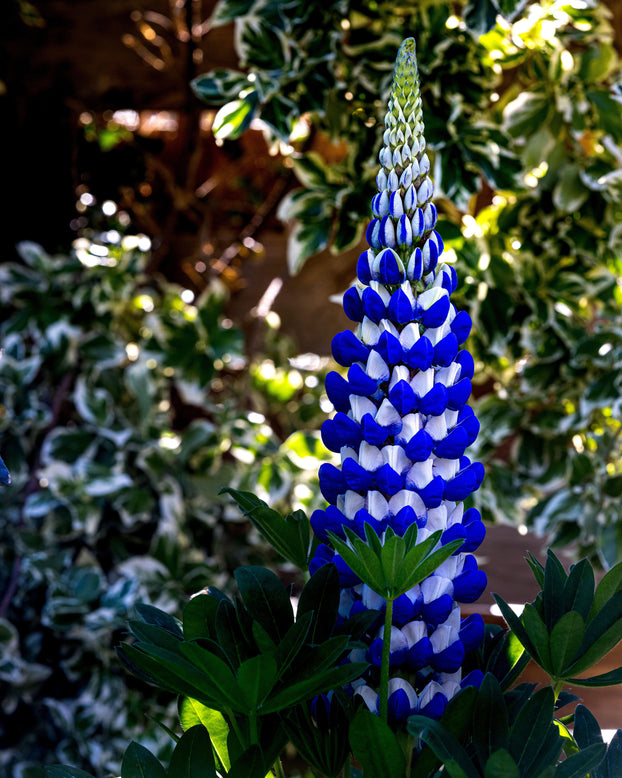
<point x="402" y="424"/>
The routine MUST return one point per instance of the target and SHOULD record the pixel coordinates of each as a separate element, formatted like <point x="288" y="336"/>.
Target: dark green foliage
<point x="570" y="626"/>
<point x="120" y="425"/>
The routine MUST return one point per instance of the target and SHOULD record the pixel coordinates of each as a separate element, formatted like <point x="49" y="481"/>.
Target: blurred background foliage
<point x="134" y="384"/>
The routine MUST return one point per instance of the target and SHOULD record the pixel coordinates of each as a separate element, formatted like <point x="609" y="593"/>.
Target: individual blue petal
<point x="454" y="279"/>
<point x="323" y="555"/>
<point x="403" y="610"/>
<point x="332" y="482"/>
<point x="458" y="394"/>
<point x="467" y="364"/>
<point x="474" y="678"/>
<point x="469" y="585"/>
<point x="475" y="529"/>
<point x="445" y="350"/>
<point x="455" y="532"/>
<point x="414" y="269"/>
<point x="355" y="476"/>
<point x="329" y="436"/>
<point x="449" y="279"/>
<point x="352" y="305"/>
<point x="460" y="486"/>
<point x="403" y="397"/>
<point x="403" y="519"/>
<point x="363" y="517"/>
<point x="347" y="348"/>
<point x="434" y="402"/>
<point x="420" y="654"/>
<point x="418" y="223"/>
<point x="469" y="422"/>
<point x="410" y="198"/>
<point x="404" y="231"/>
<point x="396" y="206"/>
<point x="389" y="481"/>
<point x="450" y="659"/>
<point x="437" y="611"/>
<point x="430" y="255"/>
<point x="363" y="271"/>
<point x="420" y="356"/>
<point x="429" y="216"/>
<point x="360" y="383"/>
<point x="330" y="520"/>
<point x="479" y="471"/>
<point x="398" y="707"/>
<point x="420" y="446"/>
<point x="389" y="348"/>
<point x="373" y="307"/>
<point x="386" y="233"/>
<point x="347" y="430"/>
<point x="375" y="205"/>
<point x="372" y="235"/>
<point x="400" y="308"/>
<point x="453" y="445"/>
<point x="436" y="238"/>
<point x="390" y="269"/>
<point x="461" y="326"/>
<point x="338" y="391"/>
<point x="435" y="708"/>
<point x="435" y="315"/>
<point x="372" y="432"/>
<point x="472" y="632"/>
<point x="432" y="493"/>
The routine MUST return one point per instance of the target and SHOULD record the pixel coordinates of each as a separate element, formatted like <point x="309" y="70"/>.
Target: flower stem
<point x="557" y="687"/>
<point x="386" y="656"/>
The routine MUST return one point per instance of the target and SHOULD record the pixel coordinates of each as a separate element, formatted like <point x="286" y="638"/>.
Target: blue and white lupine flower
<point x="402" y="424"/>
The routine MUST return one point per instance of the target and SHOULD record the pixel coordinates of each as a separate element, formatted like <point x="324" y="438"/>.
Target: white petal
<point x="370" y="457"/>
<point x="407" y="497"/>
<point x="377" y="505"/>
<point x="387" y="414"/>
<point x="435" y="586"/>
<point x="409" y="335"/>
<point x="376" y="367"/>
<point x="400" y="373"/>
<point x="423" y="381"/>
<point x="420" y="474"/>
<point x="353" y="502"/>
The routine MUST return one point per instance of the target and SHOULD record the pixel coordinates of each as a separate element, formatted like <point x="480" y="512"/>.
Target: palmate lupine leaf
<point x="570" y="627"/>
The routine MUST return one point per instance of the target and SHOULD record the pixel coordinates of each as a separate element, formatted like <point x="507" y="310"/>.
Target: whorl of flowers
<point x="402" y="424"/>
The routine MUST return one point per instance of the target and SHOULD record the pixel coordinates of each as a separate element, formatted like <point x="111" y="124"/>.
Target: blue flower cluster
<point x="402" y="423"/>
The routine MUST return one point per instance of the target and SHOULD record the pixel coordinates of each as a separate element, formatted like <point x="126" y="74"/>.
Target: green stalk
<point x="278" y="768"/>
<point x="384" y="667"/>
<point x="557" y="687"/>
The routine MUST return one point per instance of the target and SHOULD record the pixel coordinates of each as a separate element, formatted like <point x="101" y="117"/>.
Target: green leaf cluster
<point x="570" y="626"/>
<point x="394" y="566"/>
<point x="247" y="669"/>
